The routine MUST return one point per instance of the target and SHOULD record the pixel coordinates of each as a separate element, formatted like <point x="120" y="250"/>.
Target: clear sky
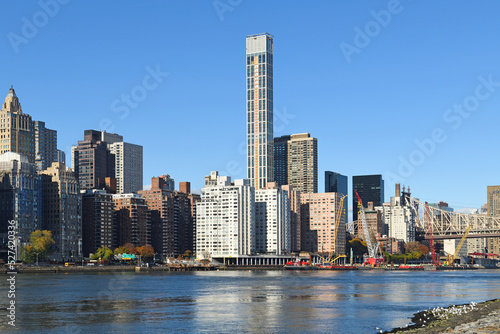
<point x="409" y="89"/>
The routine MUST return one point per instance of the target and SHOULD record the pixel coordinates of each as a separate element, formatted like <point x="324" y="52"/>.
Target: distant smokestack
<point x="398" y="190"/>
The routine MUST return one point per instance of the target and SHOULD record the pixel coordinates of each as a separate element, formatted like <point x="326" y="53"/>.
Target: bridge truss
<point x="452" y="225"/>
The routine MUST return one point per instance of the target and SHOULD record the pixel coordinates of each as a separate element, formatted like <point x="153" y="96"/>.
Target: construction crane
<point x="372" y="249"/>
<point x="435" y="261"/>
<point x="338" y="215"/>
<point x="450" y="261"/>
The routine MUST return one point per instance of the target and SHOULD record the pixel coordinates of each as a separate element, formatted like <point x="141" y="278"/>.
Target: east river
<point x="236" y="301"/>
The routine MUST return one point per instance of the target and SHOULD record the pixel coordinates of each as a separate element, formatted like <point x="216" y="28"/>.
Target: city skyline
<point x="399" y="90"/>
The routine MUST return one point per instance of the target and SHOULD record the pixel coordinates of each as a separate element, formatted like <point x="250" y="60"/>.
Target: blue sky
<point x="369" y="79"/>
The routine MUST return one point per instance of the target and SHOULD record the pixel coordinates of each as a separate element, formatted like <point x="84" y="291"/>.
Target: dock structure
<point x="257" y="260"/>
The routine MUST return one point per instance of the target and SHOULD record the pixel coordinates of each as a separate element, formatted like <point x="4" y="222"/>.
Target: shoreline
<point x="467" y="318"/>
<point x="132" y="268"/>
<point x="83" y="269"/>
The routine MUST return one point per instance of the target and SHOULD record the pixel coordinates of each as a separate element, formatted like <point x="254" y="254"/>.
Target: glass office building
<point x="370" y="188"/>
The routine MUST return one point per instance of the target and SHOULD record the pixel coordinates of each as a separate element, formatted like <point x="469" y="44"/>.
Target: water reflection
<point x="257" y="301"/>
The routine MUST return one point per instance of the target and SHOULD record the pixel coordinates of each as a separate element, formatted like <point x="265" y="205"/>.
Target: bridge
<point x="452" y="225"/>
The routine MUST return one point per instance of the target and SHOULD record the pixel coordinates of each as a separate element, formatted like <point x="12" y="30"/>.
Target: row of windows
<point x="259" y="70"/>
<point x="260" y="57"/>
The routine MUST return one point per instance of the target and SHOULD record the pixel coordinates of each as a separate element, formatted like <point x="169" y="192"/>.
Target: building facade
<point x="493" y="205"/>
<point x="128" y="167"/>
<point x="62" y="210"/>
<point x="211" y="180"/>
<point x="171" y="218"/>
<point x="303" y="163"/>
<point x="185" y="187"/>
<point x="225" y="220"/>
<point x="91" y="160"/>
<point x="20" y="198"/>
<point x="370" y="188"/>
<point x="131" y="217"/>
<point x="337" y="183"/>
<point x="101" y="155"/>
<point x="259" y="111"/>
<point x="318" y="217"/>
<point x="17" y="130"/>
<point x="61" y="156"/>
<point x="295" y="216"/>
<point x="45" y="146"/>
<point x="281" y="160"/>
<point x="272" y="221"/>
<point x="374" y="222"/>
<point x="164" y="182"/>
<point x="400" y="216"/>
<point x="98" y="226"/>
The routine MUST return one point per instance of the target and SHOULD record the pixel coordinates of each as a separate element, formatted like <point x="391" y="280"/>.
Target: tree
<point x="417" y="255"/>
<point x="121" y="250"/>
<point x="40" y="245"/>
<point x="27" y="254"/>
<point x="187" y="253"/>
<point x="416" y="249"/>
<point x="103" y="253"/>
<point x="423" y="249"/>
<point x="412" y="246"/>
<point x="146" y="252"/>
<point x="131" y="248"/>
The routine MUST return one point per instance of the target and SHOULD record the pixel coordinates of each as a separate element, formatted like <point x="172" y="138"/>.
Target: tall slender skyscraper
<point x="259" y="50"/>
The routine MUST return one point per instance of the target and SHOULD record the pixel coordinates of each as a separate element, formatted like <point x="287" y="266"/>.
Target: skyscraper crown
<point x="12" y="102"/>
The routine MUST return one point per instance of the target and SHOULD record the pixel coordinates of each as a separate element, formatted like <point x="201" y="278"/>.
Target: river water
<point x="237" y="301"/>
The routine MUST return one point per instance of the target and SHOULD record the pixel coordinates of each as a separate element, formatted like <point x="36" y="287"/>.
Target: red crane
<point x="372" y="249"/>
<point x="435" y="261"/>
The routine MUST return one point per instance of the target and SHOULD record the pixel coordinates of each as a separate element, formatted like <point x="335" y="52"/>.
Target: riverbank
<point x="481" y="318"/>
<point x="79" y="269"/>
<point x="177" y="267"/>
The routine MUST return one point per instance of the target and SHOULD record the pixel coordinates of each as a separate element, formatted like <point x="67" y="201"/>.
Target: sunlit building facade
<point x="17" y="130"/>
<point x="62" y="210"/>
<point x="318" y="218"/>
<point x="272" y="221"/>
<point x="259" y="110"/>
<point x="225" y="220"/>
